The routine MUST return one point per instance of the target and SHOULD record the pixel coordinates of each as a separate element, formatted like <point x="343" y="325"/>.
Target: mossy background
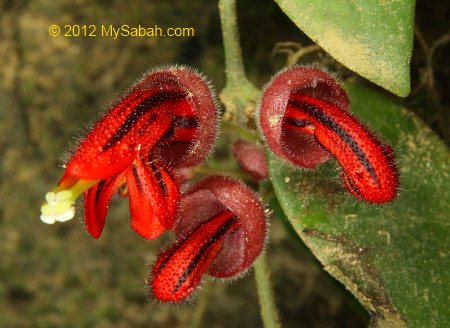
<point x="54" y="276"/>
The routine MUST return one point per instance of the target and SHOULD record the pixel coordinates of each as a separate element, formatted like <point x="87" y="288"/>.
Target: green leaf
<point x="373" y="37"/>
<point x="394" y="257"/>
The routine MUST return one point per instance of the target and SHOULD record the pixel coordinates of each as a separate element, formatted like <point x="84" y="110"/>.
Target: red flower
<point x="166" y="120"/>
<point x="221" y="229"/>
<point x="304" y="117"/>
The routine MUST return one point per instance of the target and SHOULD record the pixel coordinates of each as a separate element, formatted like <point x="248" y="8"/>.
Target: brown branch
<point x="428" y="79"/>
<point x="295" y="54"/>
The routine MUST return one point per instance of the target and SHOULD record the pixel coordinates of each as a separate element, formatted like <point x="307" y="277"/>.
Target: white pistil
<point x="60" y="205"/>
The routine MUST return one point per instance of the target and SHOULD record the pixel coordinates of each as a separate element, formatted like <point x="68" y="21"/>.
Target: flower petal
<point x="153" y="197"/>
<point x="214" y="195"/>
<point x="170" y="191"/>
<point x="369" y="171"/>
<point x="138" y="121"/>
<point x="96" y="201"/>
<point x="179" y="269"/>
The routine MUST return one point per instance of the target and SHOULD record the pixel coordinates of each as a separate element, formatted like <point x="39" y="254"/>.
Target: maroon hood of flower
<point x="297" y="147"/>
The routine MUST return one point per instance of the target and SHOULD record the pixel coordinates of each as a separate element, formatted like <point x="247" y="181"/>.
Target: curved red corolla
<point x="167" y="120"/>
<point x="221" y="229"/>
<point x="303" y="115"/>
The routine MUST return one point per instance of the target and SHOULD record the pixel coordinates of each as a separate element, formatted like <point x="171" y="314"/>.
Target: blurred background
<point x="51" y="87"/>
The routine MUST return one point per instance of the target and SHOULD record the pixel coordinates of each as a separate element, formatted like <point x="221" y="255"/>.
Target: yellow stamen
<point x="59" y="205"/>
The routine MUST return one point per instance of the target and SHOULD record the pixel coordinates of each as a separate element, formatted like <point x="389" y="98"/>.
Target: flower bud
<point x="251" y="158"/>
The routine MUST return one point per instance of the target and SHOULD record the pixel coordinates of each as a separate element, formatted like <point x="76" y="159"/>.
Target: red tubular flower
<point x="166" y="120"/>
<point x="303" y="114"/>
<point x="221" y="229"/>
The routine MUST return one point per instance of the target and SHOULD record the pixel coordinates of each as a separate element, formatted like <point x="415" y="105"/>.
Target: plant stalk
<point x="234" y="66"/>
<point x="269" y="312"/>
<point x="200" y="306"/>
<point x="238" y="130"/>
<point x="239" y="96"/>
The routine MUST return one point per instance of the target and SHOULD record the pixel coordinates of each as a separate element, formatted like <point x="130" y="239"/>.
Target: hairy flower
<point x="303" y="115"/>
<point x="221" y="229"/>
<point x="167" y="120"/>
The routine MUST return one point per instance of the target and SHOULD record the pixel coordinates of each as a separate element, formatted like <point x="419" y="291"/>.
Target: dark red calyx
<point x="315" y="121"/>
<point x="221" y="229"/>
<point x="251" y="158"/>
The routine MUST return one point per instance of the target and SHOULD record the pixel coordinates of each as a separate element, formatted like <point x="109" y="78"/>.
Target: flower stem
<point x="269" y="311"/>
<point x="239" y="95"/>
<point x="200" y="306"/>
<point x="233" y="55"/>
<point x="239" y="98"/>
<point x="240" y="131"/>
